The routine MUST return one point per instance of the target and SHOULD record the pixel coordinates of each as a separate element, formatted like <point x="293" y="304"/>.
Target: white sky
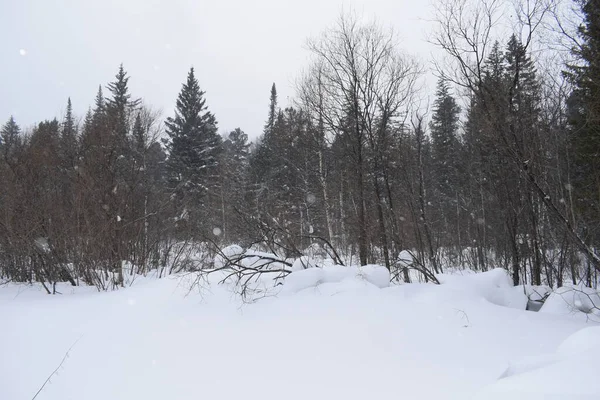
<point x="53" y="49"/>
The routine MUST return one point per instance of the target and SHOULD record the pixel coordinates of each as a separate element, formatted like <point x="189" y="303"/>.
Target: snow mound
<point x="494" y="286"/>
<point x="568" y="300"/>
<point x="569" y="373"/>
<point x="528" y="364"/>
<point x="586" y="340"/>
<point x="376" y="275"/>
<point x="305" y="262"/>
<point x="228" y="253"/>
<point x="405" y="259"/>
<point x="314" y="250"/>
<point x="301" y="279"/>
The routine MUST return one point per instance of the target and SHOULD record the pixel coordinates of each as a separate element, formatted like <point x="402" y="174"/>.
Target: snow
<point x="305" y="262"/>
<point x="494" y="286"/>
<point x="405" y="259"/>
<point x="581" y="342"/>
<point x="313" y="277"/>
<point x="579" y="301"/>
<point x="228" y="253"/>
<point x="331" y="332"/>
<point x="568" y="373"/>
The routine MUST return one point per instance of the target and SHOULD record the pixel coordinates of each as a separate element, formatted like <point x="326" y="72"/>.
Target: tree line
<point x="356" y="168"/>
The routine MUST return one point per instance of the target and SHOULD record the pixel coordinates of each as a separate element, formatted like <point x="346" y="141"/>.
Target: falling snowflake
<point x="22" y="52"/>
<point x="216" y="231"/>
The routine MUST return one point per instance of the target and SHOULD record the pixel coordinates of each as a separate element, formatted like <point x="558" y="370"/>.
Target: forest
<point x="498" y="168"/>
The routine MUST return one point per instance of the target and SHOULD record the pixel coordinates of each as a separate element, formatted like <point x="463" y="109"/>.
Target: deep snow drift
<point x="330" y="333"/>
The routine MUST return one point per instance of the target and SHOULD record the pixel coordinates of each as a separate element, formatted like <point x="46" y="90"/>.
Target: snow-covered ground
<point x="325" y="334"/>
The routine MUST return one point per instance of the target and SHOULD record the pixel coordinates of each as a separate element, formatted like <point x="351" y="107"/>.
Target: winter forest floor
<point x="346" y="338"/>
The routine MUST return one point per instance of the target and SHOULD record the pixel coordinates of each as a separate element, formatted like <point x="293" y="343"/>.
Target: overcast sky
<point x="53" y="49"/>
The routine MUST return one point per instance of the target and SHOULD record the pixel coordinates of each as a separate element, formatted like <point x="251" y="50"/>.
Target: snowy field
<point x="325" y="334"/>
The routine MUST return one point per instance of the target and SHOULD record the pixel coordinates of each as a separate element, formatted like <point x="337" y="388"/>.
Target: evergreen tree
<point x="99" y="102"/>
<point x="69" y="138"/>
<point x="584" y="118"/>
<point x="272" y="110"/>
<point x="9" y="138"/>
<point x="193" y="146"/>
<point x="139" y="137"/>
<point x="120" y="102"/>
<point x="119" y="108"/>
<point x="236" y="147"/>
<point x="444" y="135"/>
<point x="68" y="127"/>
<point x="523" y="93"/>
<point x="234" y="182"/>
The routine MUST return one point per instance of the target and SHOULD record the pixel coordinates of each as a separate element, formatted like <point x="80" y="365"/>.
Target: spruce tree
<point x="272" y="110"/>
<point x="525" y="139"/>
<point x="9" y="137"/>
<point x="584" y="119"/>
<point x="193" y="146"/>
<point x="444" y="135"/>
<point x="139" y="139"/>
<point x="119" y="108"/>
<point x="69" y="138"/>
<point x="99" y="103"/>
<point x="121" y="100"/>
<point x="234" y="182"/>
<point x="522" y="83"/>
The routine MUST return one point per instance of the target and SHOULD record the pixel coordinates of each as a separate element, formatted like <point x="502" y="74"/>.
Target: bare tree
<point x="363" y="87"/>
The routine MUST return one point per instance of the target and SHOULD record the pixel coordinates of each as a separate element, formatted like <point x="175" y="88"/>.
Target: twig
<point x="57" y="368"/>
<point x="465" y="316"/>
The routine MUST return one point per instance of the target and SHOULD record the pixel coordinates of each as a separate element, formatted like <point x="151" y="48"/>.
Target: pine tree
<point x="99" y="103"/>
<point x="234" y="182"/>
<point x="69" y="138"/>
<point x="523" y="90"/>
<point x="10" y="138"/>
<point x="445" y="164"/>
<point x="272" y="110"/>
<point x="444" y="135"/>
<point x="119" y="108"/>
<point x="263" y="158"/>
<point x="584" y="119"/>
<point x="68" y="127"/>
<point x="525" y="139"/>
<point x="120" y="101"/>
<point x="138" y="136"/>
<point x="236" y="147"/>
<point x="193" y="146"/>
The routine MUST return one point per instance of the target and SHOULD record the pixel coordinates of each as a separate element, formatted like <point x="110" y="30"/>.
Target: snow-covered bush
<point x="227" y="254"/>
<point x="574" y="300"/>
<point x="495" y="286"/>
<point x="405" y="259"/>
<point x="375" y="275"/>
<point x="305" y="262"/>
